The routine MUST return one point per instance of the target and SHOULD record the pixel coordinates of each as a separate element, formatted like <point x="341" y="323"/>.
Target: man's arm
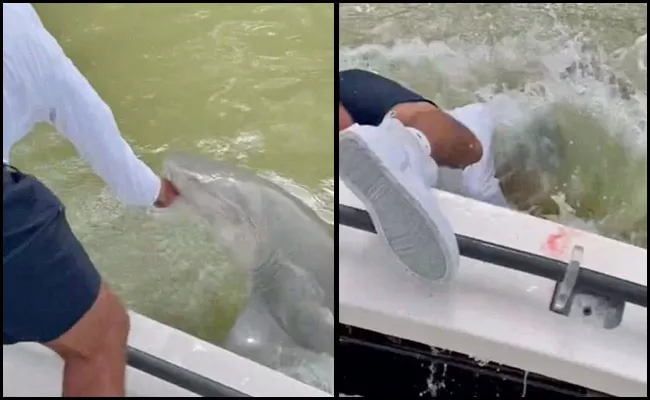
<point x="77" y="111"/>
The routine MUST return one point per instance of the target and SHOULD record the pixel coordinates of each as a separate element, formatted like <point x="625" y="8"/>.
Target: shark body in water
<point x="288" y="252"/>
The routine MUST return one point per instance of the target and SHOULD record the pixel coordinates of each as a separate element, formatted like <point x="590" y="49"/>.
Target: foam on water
<point x="569" y="110"/>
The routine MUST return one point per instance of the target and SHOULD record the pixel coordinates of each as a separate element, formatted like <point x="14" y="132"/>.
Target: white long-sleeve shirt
<point x="40" y="84"/>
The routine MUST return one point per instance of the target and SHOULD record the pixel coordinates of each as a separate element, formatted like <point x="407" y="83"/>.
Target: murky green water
<point x="574" y="74"/>
<point x="251" y="84"/>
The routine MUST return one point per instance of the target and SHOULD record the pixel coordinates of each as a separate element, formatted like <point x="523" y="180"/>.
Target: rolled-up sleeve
<point x="78" y="113"/>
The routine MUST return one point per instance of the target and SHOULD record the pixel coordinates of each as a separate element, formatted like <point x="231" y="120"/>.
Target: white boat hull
<point x="494" y="313"/>
<point x="30" y="370"/>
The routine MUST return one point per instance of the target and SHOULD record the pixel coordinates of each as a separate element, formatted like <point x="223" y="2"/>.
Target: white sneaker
<point x="391" y="174"/>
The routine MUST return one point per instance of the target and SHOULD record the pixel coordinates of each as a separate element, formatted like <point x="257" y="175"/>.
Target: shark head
<point x="222" y="195"/>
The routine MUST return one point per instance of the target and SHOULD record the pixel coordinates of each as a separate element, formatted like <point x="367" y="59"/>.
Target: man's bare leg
<point x="94" y="350"/>
<point x="452" y="144"/>
<point x="365" y="98"/>
<point x="391" y="162"/>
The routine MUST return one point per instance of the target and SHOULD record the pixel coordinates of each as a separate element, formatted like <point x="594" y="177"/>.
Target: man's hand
<point x="167" y="195"/>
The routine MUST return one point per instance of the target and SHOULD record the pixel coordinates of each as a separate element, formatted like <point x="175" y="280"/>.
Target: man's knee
<point x="103" y="329"/>
<point x="454" y="145"/>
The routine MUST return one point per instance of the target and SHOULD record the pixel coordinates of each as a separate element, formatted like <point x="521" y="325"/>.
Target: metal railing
<point x="179" y="376"/>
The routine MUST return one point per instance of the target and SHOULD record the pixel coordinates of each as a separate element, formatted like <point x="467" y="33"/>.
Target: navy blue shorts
<point x="48" y="280"/>
<point x="368" y="97"/>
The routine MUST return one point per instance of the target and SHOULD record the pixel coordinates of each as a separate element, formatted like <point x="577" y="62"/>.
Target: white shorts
<point x="478" y="180"/>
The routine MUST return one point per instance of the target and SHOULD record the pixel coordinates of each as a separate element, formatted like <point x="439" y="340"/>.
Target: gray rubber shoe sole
<point x="411" y="232"/>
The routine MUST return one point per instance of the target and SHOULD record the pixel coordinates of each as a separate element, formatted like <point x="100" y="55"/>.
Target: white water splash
<point x="570" y="113"/>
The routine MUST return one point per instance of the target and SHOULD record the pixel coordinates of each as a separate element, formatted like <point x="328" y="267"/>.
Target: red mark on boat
<point x="557" y="244"/>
